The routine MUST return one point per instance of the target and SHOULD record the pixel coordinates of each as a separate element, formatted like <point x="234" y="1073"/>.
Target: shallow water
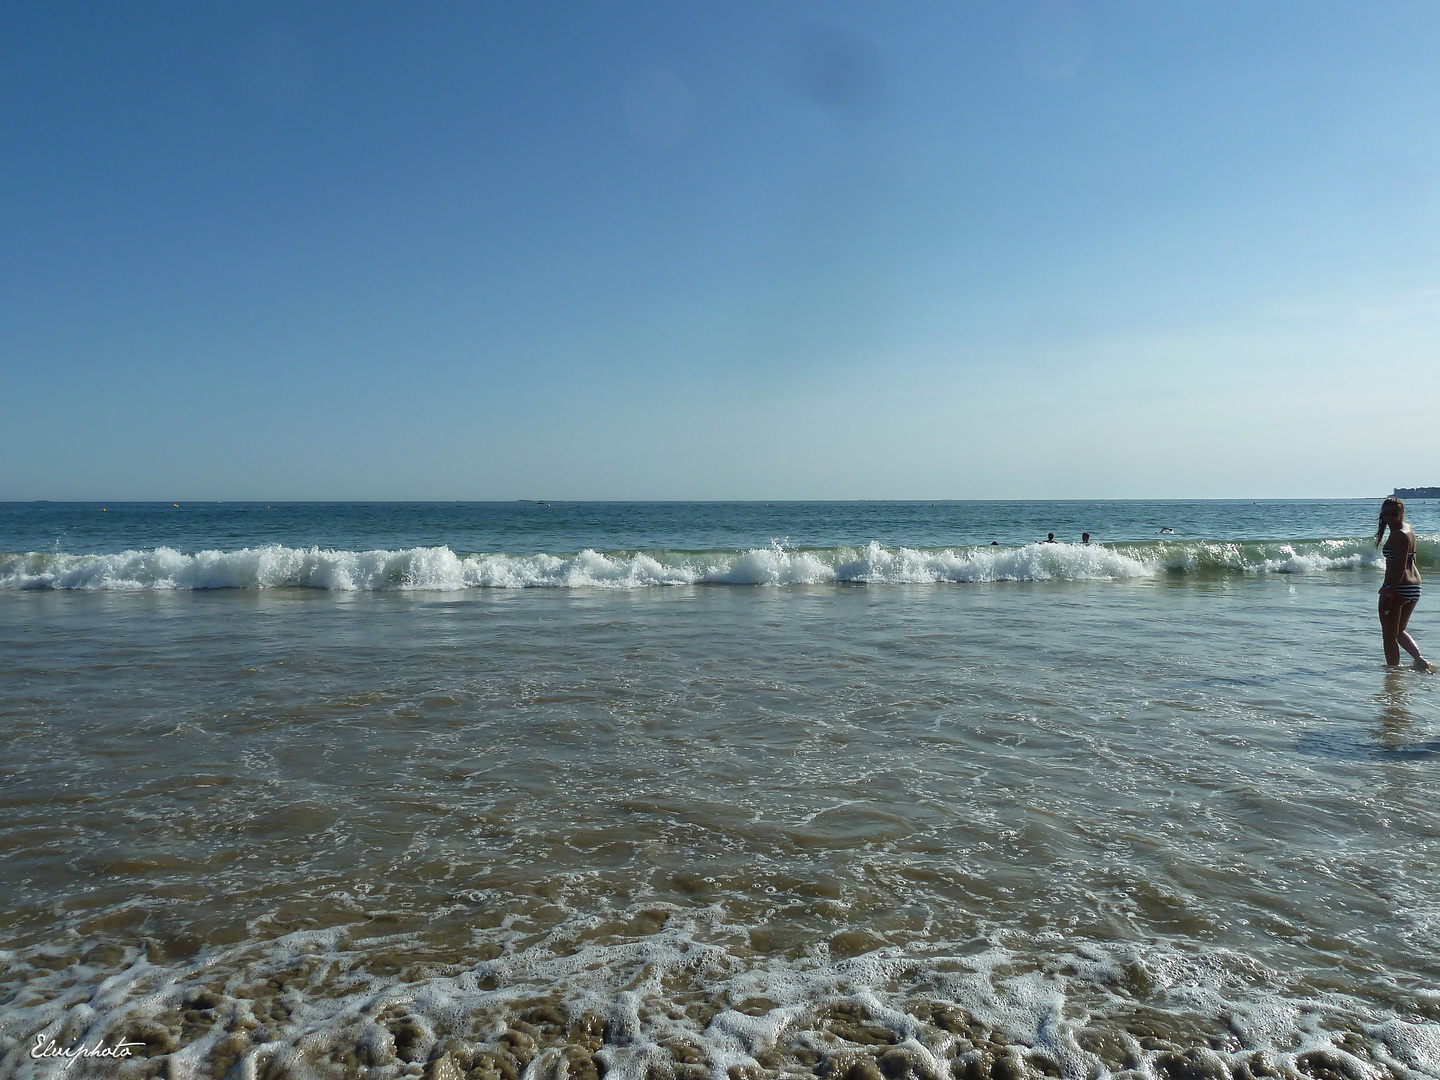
<point x="1177" y="824"/>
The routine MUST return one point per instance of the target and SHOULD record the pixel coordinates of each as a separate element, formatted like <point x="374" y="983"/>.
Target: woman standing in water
<point x="1401" y="591"/>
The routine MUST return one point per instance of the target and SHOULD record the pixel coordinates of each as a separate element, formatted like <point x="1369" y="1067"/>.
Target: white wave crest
<point x="440" y="569"/>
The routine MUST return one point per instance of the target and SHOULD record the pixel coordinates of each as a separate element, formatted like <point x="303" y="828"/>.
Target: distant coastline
<point x="1418" y="493"/>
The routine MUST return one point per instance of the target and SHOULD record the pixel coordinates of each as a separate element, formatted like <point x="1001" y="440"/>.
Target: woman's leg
<point x="1406" y="642"/>
<point x="1390" y="627"/>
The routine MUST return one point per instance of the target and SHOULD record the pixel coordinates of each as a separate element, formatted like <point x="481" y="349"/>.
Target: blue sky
<point x="989" y="250"/>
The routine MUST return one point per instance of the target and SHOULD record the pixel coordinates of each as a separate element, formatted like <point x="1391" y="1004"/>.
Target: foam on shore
<point x="678" y="1003"/>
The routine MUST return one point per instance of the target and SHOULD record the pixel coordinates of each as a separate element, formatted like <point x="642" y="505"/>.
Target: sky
<point x="719" y="251"/>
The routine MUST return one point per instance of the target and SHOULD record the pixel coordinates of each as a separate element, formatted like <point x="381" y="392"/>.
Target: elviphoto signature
<point x="47" y="1048"/>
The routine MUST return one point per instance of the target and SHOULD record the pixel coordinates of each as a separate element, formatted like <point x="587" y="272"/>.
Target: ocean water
<point x="730" y="791"/>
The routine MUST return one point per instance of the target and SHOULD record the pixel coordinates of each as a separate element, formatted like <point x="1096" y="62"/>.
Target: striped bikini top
<point x="1389" y="553"/>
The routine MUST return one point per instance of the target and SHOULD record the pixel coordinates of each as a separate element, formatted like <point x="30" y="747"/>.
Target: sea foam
<point x="954" y="1008"/>
<point x="440" y="569"/>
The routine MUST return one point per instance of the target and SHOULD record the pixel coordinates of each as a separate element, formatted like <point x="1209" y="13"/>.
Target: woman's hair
<point x="1398" y="504"/>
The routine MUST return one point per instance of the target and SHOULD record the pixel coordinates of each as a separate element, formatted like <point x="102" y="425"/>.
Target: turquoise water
<point x="528" y="528"/>
<point x="1153" y="808"/>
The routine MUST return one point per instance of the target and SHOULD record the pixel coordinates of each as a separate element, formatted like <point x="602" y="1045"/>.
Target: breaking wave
<point x="440" y="569"/>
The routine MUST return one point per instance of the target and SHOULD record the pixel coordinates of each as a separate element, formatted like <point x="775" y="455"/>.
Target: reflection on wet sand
<point x="1396" y="734"/>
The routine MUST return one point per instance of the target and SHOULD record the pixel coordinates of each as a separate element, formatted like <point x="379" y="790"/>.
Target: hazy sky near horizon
<point x="739" y="250"/>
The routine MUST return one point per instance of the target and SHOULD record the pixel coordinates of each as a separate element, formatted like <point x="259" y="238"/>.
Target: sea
<point x="715" y="791"/>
